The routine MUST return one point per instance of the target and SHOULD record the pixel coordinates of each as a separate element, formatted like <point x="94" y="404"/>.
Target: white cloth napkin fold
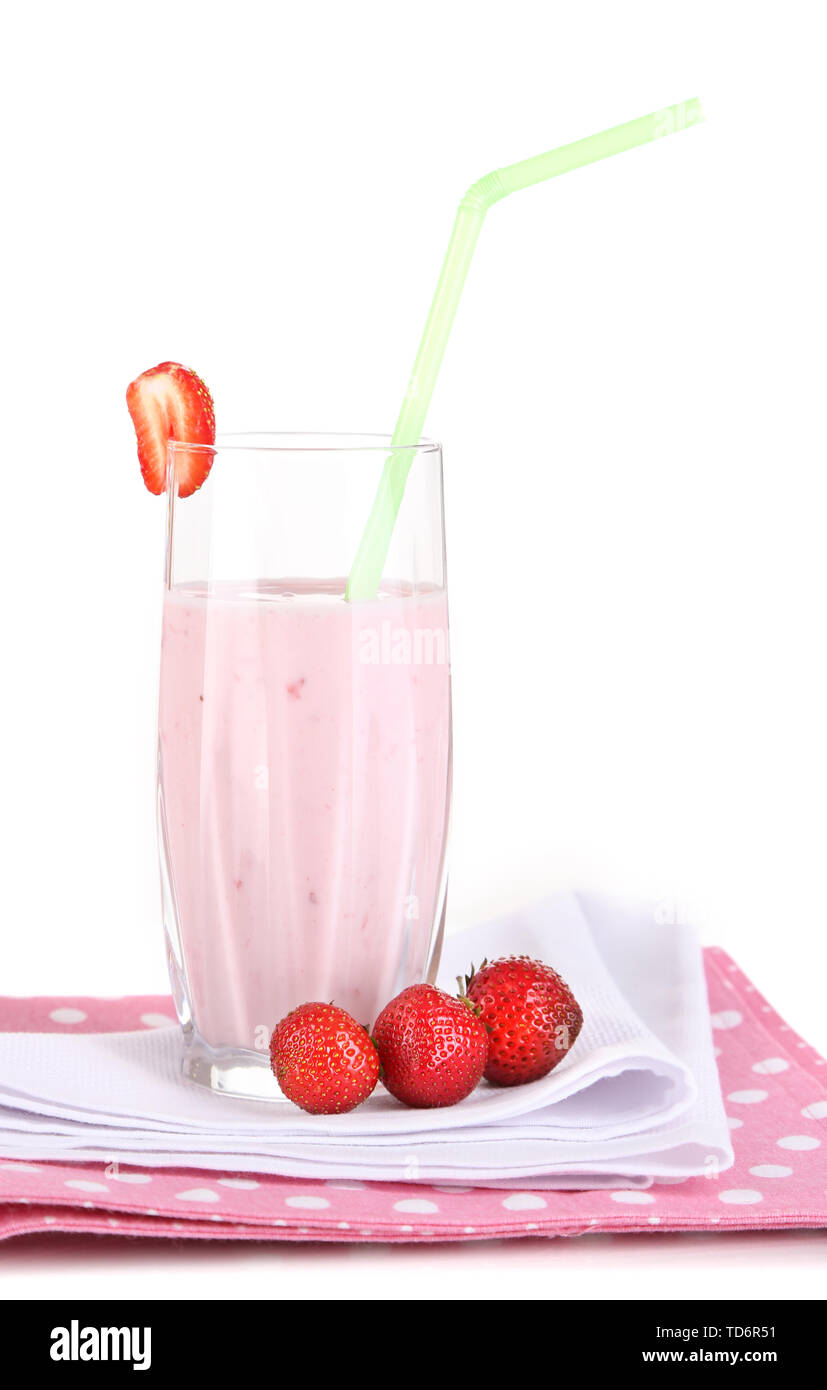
<point x="636" y="1099"/>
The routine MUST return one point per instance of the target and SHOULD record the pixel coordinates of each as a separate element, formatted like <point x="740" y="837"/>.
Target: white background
<point x="631" y="408"/>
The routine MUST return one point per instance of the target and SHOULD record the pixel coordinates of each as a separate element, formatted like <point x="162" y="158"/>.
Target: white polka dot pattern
<point x="817" y="1110"/>
<point x="727" y="1018"/>
<point x="524" y="1201"/>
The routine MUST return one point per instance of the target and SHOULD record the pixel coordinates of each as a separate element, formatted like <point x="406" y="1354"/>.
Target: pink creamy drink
<point x="305" y="750"/>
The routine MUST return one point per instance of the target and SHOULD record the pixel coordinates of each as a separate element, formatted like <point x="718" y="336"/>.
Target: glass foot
<point x="230" y="1071"/>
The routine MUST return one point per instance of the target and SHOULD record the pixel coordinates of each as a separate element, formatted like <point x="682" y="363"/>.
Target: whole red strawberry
<point x="531" y="1015"/>
<point x="323" y="1060"/>
<point x="432" y="1047"/>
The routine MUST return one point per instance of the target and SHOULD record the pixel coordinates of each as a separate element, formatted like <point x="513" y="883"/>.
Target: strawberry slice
<point x="171" y="402"/>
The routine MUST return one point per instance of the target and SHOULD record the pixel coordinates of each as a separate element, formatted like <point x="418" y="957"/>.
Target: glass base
<point x="230" y="1071"/>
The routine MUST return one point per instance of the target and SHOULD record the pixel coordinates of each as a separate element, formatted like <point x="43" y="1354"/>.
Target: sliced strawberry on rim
<point x="171" y="402"/>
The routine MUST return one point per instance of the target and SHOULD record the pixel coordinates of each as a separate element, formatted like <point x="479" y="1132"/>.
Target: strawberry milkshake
<point x="304" y="734"/>
<point x="304" y="784"/>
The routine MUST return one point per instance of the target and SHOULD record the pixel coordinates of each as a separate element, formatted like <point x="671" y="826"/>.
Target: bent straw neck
<point x="485" y="192"/>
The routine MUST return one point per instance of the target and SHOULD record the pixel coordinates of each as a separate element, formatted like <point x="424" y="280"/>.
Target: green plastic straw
<point x="373" y="548"/>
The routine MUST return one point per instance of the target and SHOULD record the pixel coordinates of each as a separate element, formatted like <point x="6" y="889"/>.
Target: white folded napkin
<point x="636" y="1099"/>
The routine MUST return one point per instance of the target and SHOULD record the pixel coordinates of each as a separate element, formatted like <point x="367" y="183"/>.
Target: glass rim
<point x="306" y="441"/>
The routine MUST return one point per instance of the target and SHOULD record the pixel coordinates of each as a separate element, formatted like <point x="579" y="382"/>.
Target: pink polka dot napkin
<point x="772" y="1081"/>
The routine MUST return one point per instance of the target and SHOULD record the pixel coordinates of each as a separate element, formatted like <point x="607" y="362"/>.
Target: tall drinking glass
<point x="304" y="744"/>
